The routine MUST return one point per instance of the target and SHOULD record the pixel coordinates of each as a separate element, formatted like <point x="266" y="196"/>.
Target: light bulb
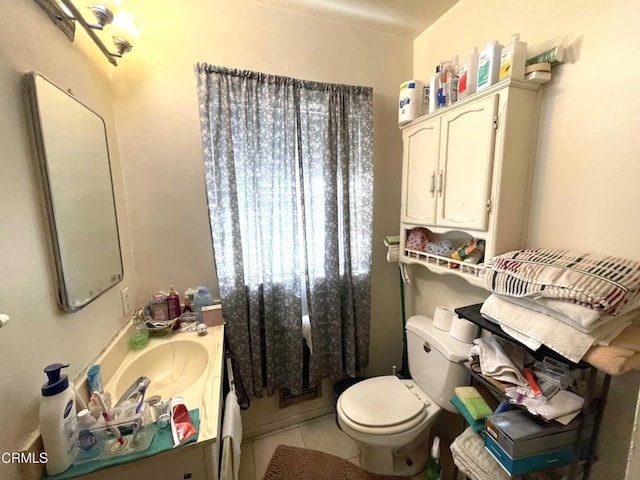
<point x="104" y="10"/>
<point x="125" y="31"/>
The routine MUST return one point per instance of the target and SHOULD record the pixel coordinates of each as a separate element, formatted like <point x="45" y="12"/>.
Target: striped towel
<point x="599" y="282"/>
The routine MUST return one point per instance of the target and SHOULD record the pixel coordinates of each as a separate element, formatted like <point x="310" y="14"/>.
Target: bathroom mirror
<point x="73" y="156"/>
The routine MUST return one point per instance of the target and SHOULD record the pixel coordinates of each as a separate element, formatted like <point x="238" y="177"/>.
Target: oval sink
<point x="172" y="367"/>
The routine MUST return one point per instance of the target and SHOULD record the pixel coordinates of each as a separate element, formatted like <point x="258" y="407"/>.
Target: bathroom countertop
<point x="204" y="394"/>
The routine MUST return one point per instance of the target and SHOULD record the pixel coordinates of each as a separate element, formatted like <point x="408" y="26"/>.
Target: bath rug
<point x="294" y="463"/>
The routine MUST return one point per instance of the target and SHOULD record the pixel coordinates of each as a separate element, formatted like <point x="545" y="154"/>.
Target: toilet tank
<point x="433" y="360"/>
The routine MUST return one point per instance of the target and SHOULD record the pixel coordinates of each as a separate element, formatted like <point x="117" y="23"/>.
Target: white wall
<point x="585" y="192"/>
<point x="39" y="333"/>
<point x="159" y="131"/>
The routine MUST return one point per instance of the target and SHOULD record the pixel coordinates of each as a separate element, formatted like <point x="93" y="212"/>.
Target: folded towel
<point x="472" y="458"/>
<point x="501" y="359"/>
<point x="599" y="282"/>
<point x="613" y="360"/>
<point x="581" y="318"/>
<point x="557" y="335"/>
<point x="473" y="401"/>
<point x="477" y="425"/>
<point x="629" y="339"/>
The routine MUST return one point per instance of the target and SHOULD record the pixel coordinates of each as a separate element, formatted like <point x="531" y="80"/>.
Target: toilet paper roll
<point x="442" y="318"/>
<point x="463" y="330"/>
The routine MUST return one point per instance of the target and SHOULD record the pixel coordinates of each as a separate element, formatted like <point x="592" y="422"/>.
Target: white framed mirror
<point x="71" y="146"/>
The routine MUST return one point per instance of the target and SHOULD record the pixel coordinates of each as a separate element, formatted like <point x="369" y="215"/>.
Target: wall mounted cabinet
<point x="467" y="173"/>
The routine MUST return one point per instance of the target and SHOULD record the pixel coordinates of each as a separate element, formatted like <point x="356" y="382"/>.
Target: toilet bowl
<point x="389" y="418"/>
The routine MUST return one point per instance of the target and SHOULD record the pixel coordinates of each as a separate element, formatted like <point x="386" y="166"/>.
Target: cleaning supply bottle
<point x="58" y="423"/>
<point x="434" y="470"/>
<point x="468" y="75"/>
<point x="513" y="58"/>
<point x="489" y="65"/>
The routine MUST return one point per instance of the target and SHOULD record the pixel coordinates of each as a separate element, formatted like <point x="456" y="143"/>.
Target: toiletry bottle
<point x="159" y="310"/>
<point x="201" y="298"/>
<point x="489" y="65"/>
<point x="88" y="447"/>
<point x="58" y="423"/>
<point x="173" y="303"/>
<point x="434" y="470"/>
<point x="187" y="304"/>
<point x="513" y="59"/>
<point x="436" y="95"/>
<point x="140" y="334"/>
<point x="450" y="80"/>
<point x="468" y="75"/>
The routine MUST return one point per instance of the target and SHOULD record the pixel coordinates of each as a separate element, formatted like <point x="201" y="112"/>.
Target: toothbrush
<point x="142" y="388"/>
<point x="96" y="396"/>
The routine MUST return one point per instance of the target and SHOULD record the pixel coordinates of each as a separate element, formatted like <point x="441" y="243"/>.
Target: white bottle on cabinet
<point x="489" y="65"/>
<point x="468" y="75"/>
<point x="513" y="58"/>
<point x="436" y="95"/>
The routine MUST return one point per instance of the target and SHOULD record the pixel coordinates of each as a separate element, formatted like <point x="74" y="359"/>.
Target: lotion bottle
<point x="513" y="58"/>
<point x="468" y="75"/>
<point x="58" y="423"/>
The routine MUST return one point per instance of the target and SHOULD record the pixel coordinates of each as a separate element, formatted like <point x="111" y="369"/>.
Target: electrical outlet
<point x="126" y="301"/>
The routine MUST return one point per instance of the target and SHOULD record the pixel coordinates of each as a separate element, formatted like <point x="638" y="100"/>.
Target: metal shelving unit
<point x="595" y="397"/>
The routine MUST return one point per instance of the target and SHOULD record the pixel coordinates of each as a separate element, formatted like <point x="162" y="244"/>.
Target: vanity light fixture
<point x="124" y="27"/>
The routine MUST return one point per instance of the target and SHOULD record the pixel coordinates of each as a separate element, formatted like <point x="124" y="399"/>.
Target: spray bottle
<point x="434" y="470"/>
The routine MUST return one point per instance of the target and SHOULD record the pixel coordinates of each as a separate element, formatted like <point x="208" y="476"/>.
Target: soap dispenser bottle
<point x="58" y="423"/>
<point x="140" y="334"/>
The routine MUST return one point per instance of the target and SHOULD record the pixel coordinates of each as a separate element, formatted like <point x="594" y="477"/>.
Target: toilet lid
<point x="381" y="402"/>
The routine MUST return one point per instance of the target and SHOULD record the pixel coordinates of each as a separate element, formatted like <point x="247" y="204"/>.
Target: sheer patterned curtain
<point x="289" y="178"/>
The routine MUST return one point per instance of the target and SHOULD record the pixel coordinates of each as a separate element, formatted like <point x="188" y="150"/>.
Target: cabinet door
<point x="466" y="160"/>
<point x="421" y="147"/>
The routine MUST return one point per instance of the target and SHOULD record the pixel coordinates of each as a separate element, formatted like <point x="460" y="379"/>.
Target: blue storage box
<point x="520" y="466"/>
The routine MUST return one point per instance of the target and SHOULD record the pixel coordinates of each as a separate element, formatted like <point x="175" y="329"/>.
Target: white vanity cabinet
<point x="467" y="172"/>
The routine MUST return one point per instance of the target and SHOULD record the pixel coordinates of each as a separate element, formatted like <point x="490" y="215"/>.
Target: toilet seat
<point x="383" y="405"/>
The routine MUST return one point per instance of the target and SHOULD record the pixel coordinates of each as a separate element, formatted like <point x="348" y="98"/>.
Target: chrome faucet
<point x="137" y="388"/>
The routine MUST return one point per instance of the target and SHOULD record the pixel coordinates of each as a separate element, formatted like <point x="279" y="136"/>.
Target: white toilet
<point x="390" y="418"/>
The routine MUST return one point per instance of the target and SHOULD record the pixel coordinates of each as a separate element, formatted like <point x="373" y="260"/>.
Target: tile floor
<point x="321" y="433"/>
